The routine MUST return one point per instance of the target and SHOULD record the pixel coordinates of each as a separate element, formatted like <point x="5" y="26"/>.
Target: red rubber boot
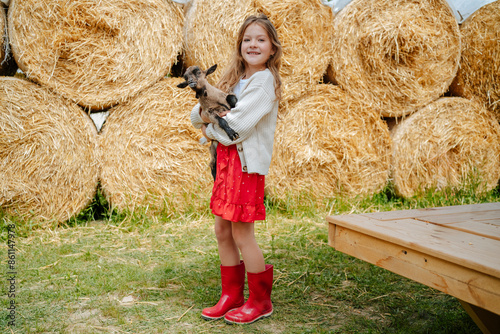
<point x="259" y="303"/>
<point x="233" y="282"/>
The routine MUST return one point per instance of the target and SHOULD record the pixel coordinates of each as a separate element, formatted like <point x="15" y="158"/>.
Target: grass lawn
<point x="119" y="273"/>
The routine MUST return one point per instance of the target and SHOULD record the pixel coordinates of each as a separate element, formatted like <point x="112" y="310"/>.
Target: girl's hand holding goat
<point x="207" y="120"/>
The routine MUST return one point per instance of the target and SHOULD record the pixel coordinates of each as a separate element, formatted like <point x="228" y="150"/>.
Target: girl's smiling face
<point x="256" y="48"/>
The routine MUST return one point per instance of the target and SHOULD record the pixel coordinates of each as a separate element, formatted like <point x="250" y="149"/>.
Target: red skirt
<point x="236" y="196"/>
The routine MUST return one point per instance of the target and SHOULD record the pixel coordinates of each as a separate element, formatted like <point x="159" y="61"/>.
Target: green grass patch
<point x="111" y="272"/>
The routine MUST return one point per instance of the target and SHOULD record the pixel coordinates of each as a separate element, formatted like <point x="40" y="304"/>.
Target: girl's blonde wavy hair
<point x="236" y="68"/>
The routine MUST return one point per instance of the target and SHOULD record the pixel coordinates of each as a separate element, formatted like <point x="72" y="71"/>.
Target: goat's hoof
<point x="235" y="136"/>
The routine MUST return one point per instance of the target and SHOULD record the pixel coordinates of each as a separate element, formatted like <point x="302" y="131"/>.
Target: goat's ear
<point x="183" y="84"/>
<point x="211" y="69"/>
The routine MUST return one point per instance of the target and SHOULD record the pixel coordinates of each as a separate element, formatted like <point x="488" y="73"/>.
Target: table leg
<point x="488" y="322"/>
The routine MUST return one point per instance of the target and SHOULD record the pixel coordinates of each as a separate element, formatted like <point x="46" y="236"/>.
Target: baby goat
<point x="212" y="102"/>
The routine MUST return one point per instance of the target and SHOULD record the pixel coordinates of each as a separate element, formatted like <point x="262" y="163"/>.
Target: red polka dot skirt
<point x="236" y="196"/>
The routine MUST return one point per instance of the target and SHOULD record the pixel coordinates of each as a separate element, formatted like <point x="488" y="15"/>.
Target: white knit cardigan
<point x="254" y="119"/>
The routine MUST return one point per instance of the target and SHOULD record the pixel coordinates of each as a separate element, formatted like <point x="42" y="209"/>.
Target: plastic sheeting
<point x="336" y="5"/>
<point x="462" y="9"/>
<point x="99" y="118"/>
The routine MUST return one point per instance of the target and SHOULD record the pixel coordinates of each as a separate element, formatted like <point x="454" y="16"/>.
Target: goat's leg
<point x="213" y="159"/>
<point x="224" y="126"/>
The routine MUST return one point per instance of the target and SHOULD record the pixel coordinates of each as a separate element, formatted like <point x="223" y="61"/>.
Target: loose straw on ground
<point x="451" y="142"/>
<point x="151" y="155"/>
<point x="210" y="31"/>
<point x="328" y="144"/>
<point x="479" y="71"/>
<point x="48" y="153"/>
<point x="305" y="30"/>
<point x="96" y="53"/>
<point x="396" y="55"/>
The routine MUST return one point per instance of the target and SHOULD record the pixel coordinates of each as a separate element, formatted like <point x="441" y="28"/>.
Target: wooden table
<point x="453" y="249"/>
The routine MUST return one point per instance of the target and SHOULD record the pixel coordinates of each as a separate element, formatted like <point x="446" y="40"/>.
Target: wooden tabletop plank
<point x="492" y="215"/>
<point x="488" y="220"/>
<point x="475" y="252"/>
<point x="485" y="228"/>
<point x="416" y="213"/>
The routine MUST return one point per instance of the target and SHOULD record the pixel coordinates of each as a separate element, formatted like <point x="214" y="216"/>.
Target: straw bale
<point x="329" y="144"/>
<point x="96" y="53"/>
<point x="396" y="55"/>
<point x="292" y="91"/>
<point x="48" y="153"/>
<point x="151" y="154"/>
<point x="210" y="32"/>
<point x="479" y="71"/>
<point x="449" y="143"/>
<point x="305" y="29"/>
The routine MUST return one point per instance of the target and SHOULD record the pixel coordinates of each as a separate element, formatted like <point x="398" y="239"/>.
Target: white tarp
<point x="99" y="118"/>
<point x="336" y="5"/>
<point x="462" y="9"/>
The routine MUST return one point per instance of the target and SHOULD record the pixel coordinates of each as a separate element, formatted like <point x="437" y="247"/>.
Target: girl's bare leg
<point x="228" y="251"/>
<point x="244" y="237"/>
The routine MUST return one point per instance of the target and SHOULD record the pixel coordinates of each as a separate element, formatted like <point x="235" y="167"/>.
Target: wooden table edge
<point x="415" y="272"/>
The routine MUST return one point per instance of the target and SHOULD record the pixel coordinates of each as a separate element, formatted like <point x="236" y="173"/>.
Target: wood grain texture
<point x="455" y="250"/>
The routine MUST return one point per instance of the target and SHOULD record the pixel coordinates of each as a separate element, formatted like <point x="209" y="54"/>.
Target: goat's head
<point x="194" y="77"/>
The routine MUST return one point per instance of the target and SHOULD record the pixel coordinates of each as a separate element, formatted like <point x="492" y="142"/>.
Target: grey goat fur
<point x="212" y="102"/>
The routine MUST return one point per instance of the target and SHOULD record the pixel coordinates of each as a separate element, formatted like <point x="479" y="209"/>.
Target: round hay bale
<point x="305" y="30"/>
<point x="48" y="153"/>
<point x="452" y="142"/>
<point x="151" y="154"/>
<point x="292" y="91"/>
<point x="329" y="144"/>
<point x="396" y="55"/>
<point x="96" y="53"/>
<point x="210" y="32"/>
<point x="479" y="71"/>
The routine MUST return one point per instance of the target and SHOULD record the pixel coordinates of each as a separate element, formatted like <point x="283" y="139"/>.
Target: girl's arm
<point x="196" y="118"/>
<point x="255" y="102"/>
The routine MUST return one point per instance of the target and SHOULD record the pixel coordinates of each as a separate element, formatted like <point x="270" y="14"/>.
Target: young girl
<point x="238" y="192"/>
